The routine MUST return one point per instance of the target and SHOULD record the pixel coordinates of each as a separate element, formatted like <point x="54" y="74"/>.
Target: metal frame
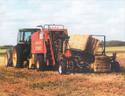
<point x="56" y="26"/>
<point x="104" y="43"/>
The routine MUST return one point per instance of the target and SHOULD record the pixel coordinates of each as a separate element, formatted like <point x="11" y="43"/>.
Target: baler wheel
<point x="62" y="67"/>
<point x="39" y="58"/>
<point x="115" y="66"/>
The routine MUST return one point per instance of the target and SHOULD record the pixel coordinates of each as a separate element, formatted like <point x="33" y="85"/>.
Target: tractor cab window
<point x="24" y="36"/>
<point x="20" y="37"/>
<point x="27" y="36"/>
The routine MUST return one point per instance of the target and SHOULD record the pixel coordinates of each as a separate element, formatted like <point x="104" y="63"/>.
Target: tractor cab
<point x="22" y="51"/>
<point x="24" y="35"/>
<point x="42" y="47"/>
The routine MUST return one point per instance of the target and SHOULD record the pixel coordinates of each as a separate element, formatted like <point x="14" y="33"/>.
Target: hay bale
<point x="102" y="64"/>
<point x="84" y="42"/>
<point x="3" y="60"/>
<point x="78" y="41"/>
<point x="92" y="45"/>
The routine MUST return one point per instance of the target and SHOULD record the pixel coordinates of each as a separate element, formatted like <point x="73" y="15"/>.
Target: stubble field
<point x="25" y="82"/>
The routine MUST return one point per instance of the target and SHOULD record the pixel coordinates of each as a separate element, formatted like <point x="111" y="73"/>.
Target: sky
<point x="104" y="17"/>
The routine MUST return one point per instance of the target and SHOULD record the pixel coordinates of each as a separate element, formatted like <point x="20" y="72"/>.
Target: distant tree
<point x="6" y="46"/>
<point x="115" y="43"/>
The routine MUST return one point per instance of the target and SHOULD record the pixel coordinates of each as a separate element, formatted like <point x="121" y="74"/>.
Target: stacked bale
<point x="102" y="64"/>
<point x="92" y="45"/>
<point x="78" y="41"/>
<point x="85" y="43"/>
<point x="3" y="59"/>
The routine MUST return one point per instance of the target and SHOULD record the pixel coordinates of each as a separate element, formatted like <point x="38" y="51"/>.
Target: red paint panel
<point x="68" y="53"/>
<point x="38" y="43"/>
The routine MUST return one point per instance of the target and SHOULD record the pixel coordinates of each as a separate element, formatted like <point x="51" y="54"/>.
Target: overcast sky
<point x="79" y="16"/>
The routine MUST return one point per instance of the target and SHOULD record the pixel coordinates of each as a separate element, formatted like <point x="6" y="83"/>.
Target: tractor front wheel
<point x="8" y="58"/>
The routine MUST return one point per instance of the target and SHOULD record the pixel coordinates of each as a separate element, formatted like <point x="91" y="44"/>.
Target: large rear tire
<point x="17" y="56"/>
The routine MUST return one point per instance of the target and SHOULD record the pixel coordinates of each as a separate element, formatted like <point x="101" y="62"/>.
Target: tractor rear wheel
<point x="17" y="56"/>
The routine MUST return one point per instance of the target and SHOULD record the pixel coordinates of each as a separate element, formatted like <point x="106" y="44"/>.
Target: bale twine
<point x="102" y="64"/>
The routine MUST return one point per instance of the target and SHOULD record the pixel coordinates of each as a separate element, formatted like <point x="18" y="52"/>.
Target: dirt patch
<point x="24" y="82"/>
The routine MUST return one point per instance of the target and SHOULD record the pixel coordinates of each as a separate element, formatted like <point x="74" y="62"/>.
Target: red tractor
<point x="43" y="48"/>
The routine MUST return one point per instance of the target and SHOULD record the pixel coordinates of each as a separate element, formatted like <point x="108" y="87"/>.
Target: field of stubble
<point x="24" y="82"/>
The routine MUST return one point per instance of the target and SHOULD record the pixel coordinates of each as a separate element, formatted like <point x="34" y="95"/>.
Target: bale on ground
<point x="3" y="59"/>
<point x="102" y="64"/>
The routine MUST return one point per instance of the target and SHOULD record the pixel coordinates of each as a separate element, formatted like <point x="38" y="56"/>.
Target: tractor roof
<point x="29" y="29"/>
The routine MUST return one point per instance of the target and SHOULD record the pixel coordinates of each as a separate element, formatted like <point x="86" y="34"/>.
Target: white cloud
<point x="80" y="16"/>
